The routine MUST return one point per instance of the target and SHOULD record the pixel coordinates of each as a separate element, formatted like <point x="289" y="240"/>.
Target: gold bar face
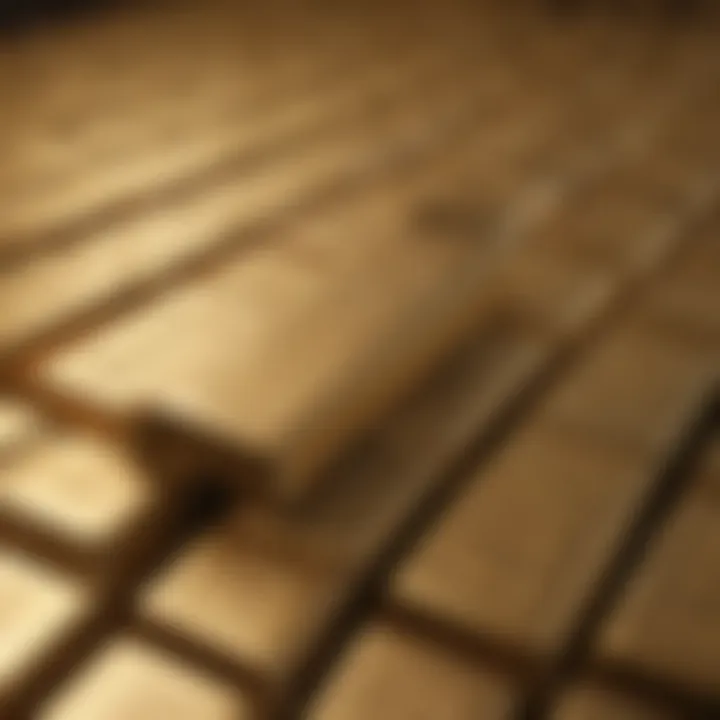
<point x="131" y="679"/>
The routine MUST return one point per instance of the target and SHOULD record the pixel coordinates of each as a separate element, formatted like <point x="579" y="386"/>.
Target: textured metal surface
<point x="359" y="362"/>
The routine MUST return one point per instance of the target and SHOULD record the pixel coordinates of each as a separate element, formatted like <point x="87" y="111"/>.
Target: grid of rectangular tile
<point x="445" y="278"/>
<point x="305" y="568"/>
<point x="130" y="680"/>
<point x="385" y="674"/>
<point x="43" y="610"/>
<point x="358" y="351"/>
<point x="72" y="157"/>
<point x="666" y="624"/>
<point x="636" y="388"/>
<point x="84" y="495"/>
<point x="572" y="498"/>
<point x="112" y="261"/>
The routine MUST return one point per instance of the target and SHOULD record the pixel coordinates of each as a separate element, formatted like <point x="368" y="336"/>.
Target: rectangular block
<point x="667" y="622"/>
<point x="638" y="386"/>
<point x="289" y="361"/>
<point x="178" y="231"/>
<point x="165" y="158"/>
<point x="264" y="609"/>
<point x="182" y="230"/>
<point x="184" y="124"/>
<point x="280" y="579"/>
<point x="84" y="494"/>
<point x="193" y="76"/>
<point x="521" y="550"/>
<point x="388" y="675"/>
<point x="591" y="702"/>
<point x="41" y="611"/>
<point x="128" y="679"/>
